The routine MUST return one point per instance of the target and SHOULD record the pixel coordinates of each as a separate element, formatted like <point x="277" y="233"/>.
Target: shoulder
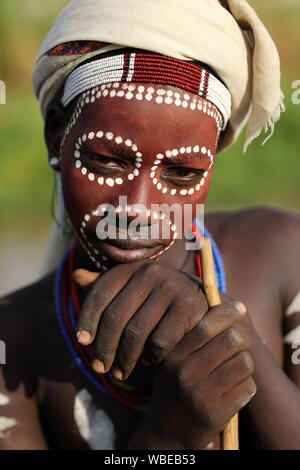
<point x="23" y="315"/>
<point x="268" y="237"/>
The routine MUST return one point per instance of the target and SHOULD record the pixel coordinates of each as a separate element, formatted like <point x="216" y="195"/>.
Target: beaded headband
<point x="149" y="68"/>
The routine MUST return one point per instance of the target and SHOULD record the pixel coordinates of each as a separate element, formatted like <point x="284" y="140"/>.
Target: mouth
<point x="128" y="250"/>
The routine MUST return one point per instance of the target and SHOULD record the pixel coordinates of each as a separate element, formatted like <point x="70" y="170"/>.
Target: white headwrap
<point x="227" y="35"/>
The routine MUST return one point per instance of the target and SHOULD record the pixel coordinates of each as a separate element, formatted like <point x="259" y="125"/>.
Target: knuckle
<point x="166" y="286"/>
<point x="245" y="362"/>
<point x="150" y="269"/>
<point x="156" y="347"/>
<point x="132" y="333"/>
<point x="111" y="317"/>
<point x="233" y="339"/>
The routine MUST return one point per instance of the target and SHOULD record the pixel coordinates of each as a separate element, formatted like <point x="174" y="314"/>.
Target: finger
<point x="101" y="293"/>
<point x="137" y="331"/>
<point x="229" y="374"/>
<point x="220" y="349"/>
<point x="85" y="278"/>
<point x="121" y="309"/>
<point x="238" y="396"/>
<point x="214" y="322"/>
<point x="182" y="315"/>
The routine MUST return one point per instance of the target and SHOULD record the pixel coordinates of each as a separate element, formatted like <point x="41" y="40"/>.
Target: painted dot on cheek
<point x="191" y="191"/>
<point x="136" y="172"/>
<point x="159" y="186"/>
<point x="183" y="192"/>
<point x="100" y="180"/>
<point x="130" y="176"/>
<point x="91" y="135"/>
<point x="91" y="176"/>
<point x="84" y="138"/>
<point x="119" y="181"/>
<point x="134" y="147"/>
<point x="78" y="164"/>
<point x="84" y="171"/>
<point x="77" y="154"/>
<point x="154" y="180"/>
<point x="173" y="192"/>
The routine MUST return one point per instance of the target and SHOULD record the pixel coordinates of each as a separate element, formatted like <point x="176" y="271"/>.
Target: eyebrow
<point x="113" y="148"/>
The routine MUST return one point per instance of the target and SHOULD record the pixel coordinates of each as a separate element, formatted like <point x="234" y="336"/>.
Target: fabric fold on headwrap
<point x="227" y="35"/>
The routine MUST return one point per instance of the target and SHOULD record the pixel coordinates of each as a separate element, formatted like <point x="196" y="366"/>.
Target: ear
<point x="55" y="126"/>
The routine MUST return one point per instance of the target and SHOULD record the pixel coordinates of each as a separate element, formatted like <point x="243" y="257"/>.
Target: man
<point x="146" y="124"/>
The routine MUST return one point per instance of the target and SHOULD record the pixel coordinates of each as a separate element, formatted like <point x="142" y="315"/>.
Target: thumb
<point x="85" y="278"/>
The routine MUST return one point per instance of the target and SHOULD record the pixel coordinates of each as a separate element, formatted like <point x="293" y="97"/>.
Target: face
<point x="153" y="144"/>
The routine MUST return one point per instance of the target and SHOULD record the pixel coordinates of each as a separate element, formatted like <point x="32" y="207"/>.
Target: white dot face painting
<point x="153" y="144"/>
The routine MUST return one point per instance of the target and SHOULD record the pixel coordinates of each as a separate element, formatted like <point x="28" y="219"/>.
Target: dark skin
<point x="213" y="352"/>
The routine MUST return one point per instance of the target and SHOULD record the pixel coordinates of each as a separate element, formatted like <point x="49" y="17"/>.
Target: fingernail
<point x="83" y="336"/>
<point x="241" y="307"/>
<point x="98" y="366"/>
<point x="118" y="374"/>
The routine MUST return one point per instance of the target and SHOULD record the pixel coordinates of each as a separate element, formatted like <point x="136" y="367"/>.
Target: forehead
<point x="149" y="113"/>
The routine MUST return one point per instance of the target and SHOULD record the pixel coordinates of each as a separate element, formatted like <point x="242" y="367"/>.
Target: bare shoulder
<point x="268" y="237"/>
<point x="23" y="312"/>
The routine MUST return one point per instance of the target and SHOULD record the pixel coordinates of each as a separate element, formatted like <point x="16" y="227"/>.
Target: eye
<point x="181" y="176"/>
<point x="102" y="164"/>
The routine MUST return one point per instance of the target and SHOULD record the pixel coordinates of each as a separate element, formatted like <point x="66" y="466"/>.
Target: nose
<point x="139" y="199"/>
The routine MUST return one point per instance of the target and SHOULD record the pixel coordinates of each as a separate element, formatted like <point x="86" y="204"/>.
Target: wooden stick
<point x="230" y="437"/>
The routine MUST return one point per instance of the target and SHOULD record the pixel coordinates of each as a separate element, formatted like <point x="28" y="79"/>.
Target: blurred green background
<point x="266" y="175"/>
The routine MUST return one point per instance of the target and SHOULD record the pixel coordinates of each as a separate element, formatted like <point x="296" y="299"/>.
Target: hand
<point x="137" y="308"/>
<point x="202" y="383"/>
<point x="204" y="367"/>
